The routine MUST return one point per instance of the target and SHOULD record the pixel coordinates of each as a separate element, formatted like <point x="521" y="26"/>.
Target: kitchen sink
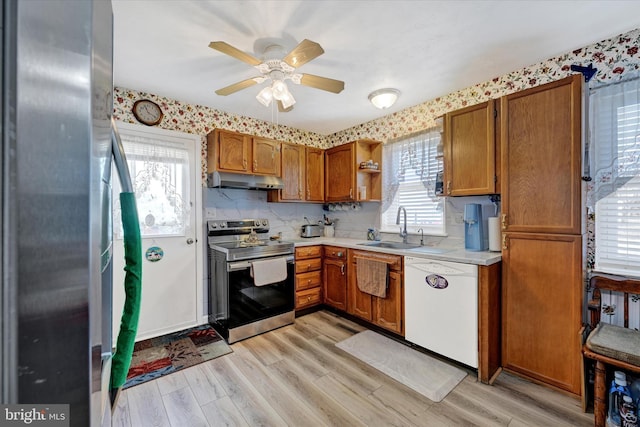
<point x="430" y="250"/>
<point x="391" y="245"/>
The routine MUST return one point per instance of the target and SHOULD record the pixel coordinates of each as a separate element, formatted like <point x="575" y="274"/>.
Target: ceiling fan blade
<point x="236" y="87"/>
<point x="324" y="83"/>
<point x="303" y="53"/>
<point x="236" y="53"/>
<point x="282" y="109"/>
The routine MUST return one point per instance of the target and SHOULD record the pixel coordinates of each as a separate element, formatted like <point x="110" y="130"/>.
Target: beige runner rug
<point x="418" y="371"/>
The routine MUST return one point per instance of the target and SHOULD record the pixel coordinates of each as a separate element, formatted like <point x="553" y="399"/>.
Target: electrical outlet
<point x="458" y="218"/>
<point x="210" y="213"/>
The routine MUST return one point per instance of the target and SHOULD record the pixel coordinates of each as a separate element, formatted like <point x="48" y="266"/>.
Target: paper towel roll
<point x="494" y="234"/>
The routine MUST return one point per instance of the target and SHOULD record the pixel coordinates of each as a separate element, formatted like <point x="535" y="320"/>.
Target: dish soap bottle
<point x="634" y="389"/>
<point x="628" y="415"/>
<point x="617" y="392"/>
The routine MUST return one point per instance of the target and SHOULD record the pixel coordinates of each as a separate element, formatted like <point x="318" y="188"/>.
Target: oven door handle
<point x="242" y="265"/>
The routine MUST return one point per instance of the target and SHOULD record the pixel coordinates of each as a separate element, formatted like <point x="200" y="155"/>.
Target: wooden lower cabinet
<point x="489" y="322"/>
<point x="542" y="308"/>
<point x="308" y="276"/>
<point x="386" y="312"/>
<point x="335" y="277"/>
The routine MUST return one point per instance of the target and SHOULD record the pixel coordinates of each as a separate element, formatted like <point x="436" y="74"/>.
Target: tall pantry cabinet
<point x="541" y="134"/>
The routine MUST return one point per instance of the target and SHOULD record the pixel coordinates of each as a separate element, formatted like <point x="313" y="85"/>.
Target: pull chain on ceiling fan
<point x="277" y="71"/>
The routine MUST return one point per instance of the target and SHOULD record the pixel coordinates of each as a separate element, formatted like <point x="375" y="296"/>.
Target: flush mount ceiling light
<point x="384" y="98"/>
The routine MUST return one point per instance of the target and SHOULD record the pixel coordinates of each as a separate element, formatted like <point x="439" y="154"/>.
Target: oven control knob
<point x="264" y="222"/>
<point x="257" y="223"/>
<point x="223" y="225"/>
<point x="214" y="225"/>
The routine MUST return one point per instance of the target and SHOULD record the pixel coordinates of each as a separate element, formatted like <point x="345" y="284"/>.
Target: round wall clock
<point x="147" y="112"/>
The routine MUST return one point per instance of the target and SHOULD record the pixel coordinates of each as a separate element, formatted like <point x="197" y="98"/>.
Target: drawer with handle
<point x="305" y="265"/>
<point x="308" y="280"/>
<point x="308" y="298"/>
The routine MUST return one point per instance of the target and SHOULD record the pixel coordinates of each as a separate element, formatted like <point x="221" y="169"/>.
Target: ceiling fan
<point x="277" y="68"/>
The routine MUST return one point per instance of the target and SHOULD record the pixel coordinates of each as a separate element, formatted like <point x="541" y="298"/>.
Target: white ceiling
<point x="425" y="49"/>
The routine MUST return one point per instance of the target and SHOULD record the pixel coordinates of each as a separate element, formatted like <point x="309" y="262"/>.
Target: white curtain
<point x="160" y="174"/>
<point x="614" y="136"/>
<point x="409" y="176"/>
<point x="614" y="152"/>
<point x="416" y="153"/>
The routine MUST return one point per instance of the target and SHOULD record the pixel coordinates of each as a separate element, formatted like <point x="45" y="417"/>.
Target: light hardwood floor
<point x="296" y="376"/>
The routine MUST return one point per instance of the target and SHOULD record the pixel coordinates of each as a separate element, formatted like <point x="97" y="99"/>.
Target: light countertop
<point x="452" y="254"/>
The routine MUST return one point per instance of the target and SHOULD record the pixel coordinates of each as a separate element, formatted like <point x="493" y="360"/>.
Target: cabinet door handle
<point x="504" y="242"/>
<point x="448" y="187"/>
<point x="338" y="254"/>
<point x="351" y="193"/>
<point x="308" y="193"/>
<point x="342" y="269"/>
<point x="309" y="282"/>
<point x="504" y="221"/>
<point x="255" y="165"/>
<point x="244" y="163"/>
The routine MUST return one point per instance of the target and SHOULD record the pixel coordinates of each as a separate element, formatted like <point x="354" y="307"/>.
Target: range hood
<point x="248" y="182"/>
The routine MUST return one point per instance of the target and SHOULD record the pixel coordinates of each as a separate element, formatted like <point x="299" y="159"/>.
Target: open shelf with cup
<point x="368" y="167"/>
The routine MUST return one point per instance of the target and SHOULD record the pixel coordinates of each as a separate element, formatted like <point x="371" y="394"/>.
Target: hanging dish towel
<point x="269" y="271"/>
<point x="372" y="277"/>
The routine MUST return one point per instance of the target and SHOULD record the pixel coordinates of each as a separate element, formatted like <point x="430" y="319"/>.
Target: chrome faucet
<point x="403" y="231"/>
<point x="421" y="236"/>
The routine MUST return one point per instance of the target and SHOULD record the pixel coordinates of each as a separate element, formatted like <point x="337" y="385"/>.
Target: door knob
<point x="189" y="241"/>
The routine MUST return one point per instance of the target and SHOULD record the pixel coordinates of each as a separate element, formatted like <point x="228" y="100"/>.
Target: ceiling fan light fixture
<point x="265" y="96"/>
<point x="384" y="98"/>
<point x="287" y="100"/>
<point x="280" y="89"/>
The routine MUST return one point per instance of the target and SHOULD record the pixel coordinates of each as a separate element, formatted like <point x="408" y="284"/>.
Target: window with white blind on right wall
<point x="614" y="140"/>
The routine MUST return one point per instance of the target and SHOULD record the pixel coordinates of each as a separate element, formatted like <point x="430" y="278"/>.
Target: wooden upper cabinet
<point x="541" y="151"/>
<point x="230" y="151"/>
<point x="266" y="156"/>
<point x="314" y="181"/>
<point x="339" y="163"/>
<point x="293" y="171"/>
<point x="302" y="171"/>
<point x="470" y="151"/>
<point x="344" y="178"/>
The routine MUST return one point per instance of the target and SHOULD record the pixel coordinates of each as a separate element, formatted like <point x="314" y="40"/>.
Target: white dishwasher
<point x="441" y="307"/>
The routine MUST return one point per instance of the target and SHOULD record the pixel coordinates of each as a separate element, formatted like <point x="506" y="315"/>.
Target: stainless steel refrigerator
<point x="56" y="205"/>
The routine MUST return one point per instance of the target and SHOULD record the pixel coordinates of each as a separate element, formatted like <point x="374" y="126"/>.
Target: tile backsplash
<point x="288" y="218"/>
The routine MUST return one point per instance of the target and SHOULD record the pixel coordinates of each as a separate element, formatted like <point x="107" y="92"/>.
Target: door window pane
<point x="160" y="176"/>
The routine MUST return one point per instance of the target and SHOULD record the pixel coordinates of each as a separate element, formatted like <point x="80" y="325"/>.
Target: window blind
<point x="615" y="130"/>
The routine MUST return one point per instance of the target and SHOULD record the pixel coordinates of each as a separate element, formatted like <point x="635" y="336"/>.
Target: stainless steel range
<point x="251" y="278"/>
